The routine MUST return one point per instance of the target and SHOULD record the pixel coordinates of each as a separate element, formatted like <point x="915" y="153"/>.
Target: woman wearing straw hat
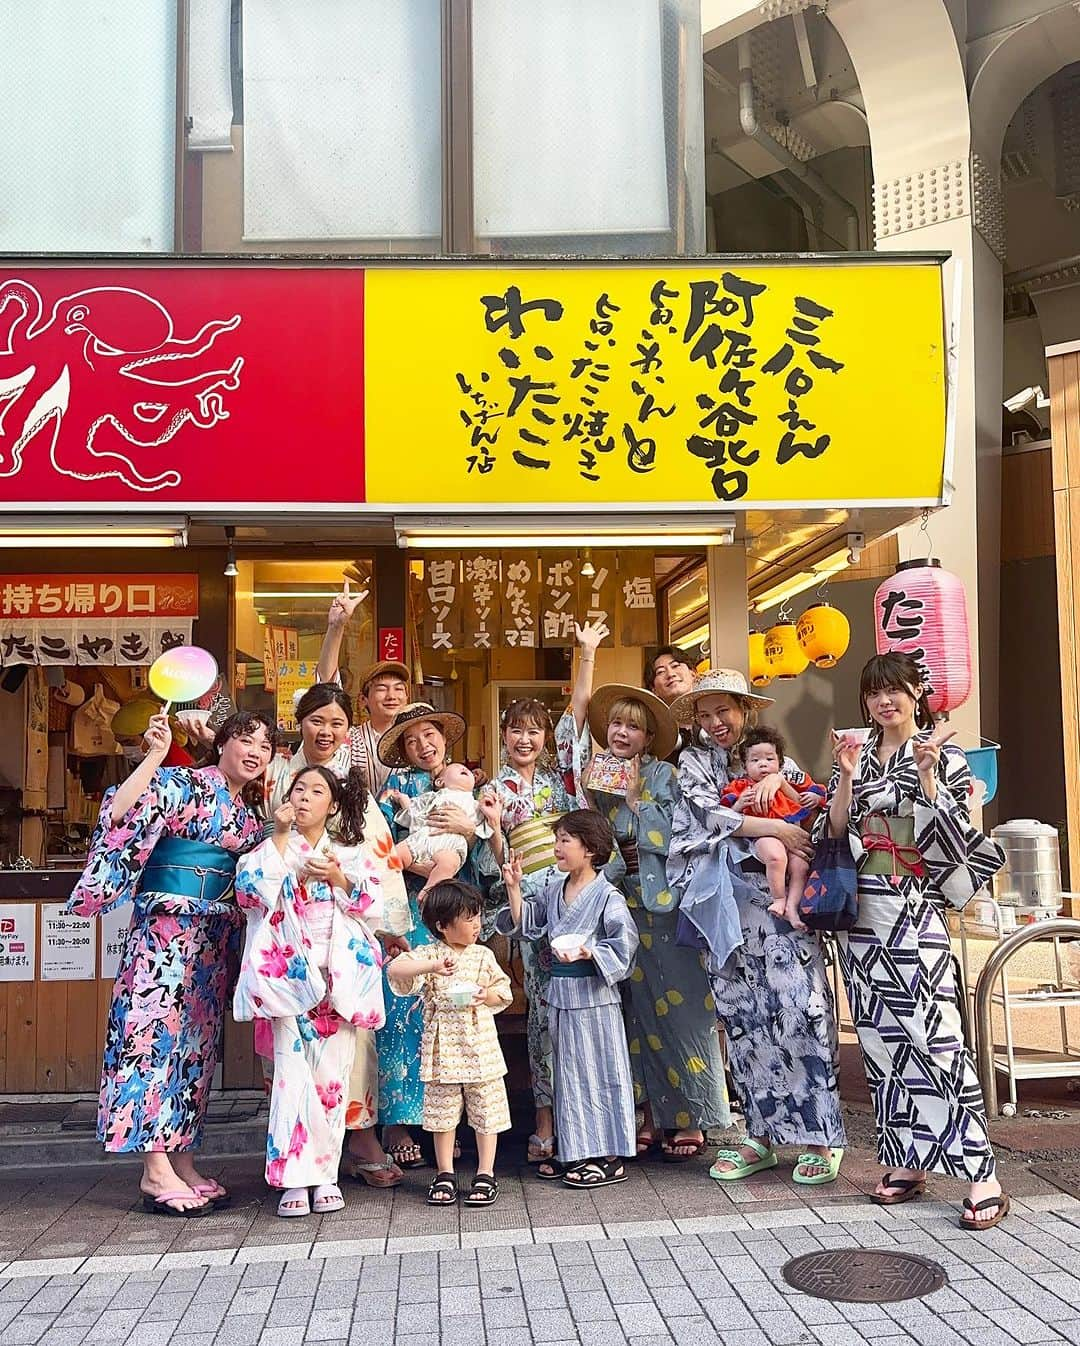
<point x="416" y="748"/>
<point x="768" y="980"/>
<point x="674" y="1050"/>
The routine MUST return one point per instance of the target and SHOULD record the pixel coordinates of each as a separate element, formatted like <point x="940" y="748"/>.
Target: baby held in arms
<point x="765" y="790"/>
<point x="445" y="852"/>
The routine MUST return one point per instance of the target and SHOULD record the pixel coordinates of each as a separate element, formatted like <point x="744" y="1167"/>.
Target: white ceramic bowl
<point x="461" y="993"/>
<point x="566" y="943"/>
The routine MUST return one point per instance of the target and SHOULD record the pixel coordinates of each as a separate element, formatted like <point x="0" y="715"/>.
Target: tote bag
<point x="830" y="898"/>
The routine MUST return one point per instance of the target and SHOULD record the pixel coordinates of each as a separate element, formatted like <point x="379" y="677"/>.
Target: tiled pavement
<point x="1015" y="1285"/>
<point x="667" y="1257"/>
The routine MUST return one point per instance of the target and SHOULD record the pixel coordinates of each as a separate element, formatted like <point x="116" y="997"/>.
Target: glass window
<point x="88" y="118"/>
<point x="342" y="127"/>
<point x="586" y="125"/>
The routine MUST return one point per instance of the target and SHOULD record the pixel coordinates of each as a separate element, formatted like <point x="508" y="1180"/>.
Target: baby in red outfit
<point x="767" y="793"/>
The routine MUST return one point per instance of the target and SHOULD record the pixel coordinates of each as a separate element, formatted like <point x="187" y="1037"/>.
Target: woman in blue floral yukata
<point x="168" y="840"/>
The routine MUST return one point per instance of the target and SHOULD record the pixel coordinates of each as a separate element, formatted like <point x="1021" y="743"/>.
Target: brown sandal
<point x="907" y="1189"/>
<point x="1002" y="1203"/>
<point x="386" y="1174"/>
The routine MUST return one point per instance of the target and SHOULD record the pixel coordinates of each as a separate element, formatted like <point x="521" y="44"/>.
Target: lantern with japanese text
<point x="921" y="611"/>
<point x="824" y="634"/>
<point x="783" y="653"/>
<point x="760" y="675"/>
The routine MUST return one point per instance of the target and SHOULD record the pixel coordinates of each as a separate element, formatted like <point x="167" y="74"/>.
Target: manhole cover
<point x="863" y="1276"/>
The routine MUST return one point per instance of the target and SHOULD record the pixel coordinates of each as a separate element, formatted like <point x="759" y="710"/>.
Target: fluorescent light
<point x="115" y="539"/>
<point x="830" y="562"/>
<point x="88" y="530"/>
<point x="296" y="593"/>
<point x="487" y="541"/>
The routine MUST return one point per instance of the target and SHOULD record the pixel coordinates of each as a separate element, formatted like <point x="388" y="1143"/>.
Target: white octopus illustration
<point x="104" y="381"/>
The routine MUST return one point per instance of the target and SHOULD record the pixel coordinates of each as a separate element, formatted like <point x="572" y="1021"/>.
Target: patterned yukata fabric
<point x="486" y="1107"/>
<point x="339" y="956"/>
<point x="549" y="793"/>
<point x="769" y="983"/>
<point x="401" y="1091"/>
<point x="899" y="969"/>
<point x="594" y="1088"/>
<point x="164" y="1026"/>
<point x="674" y="1048"/>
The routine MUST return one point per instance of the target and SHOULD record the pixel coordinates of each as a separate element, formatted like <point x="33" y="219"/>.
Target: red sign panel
<point x="99" y="596"/>
<point x="185" y="386"/>
<point x="391" y="644"/>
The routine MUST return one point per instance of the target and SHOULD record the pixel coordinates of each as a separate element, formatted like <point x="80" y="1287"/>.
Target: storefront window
<point x="587" y="126"/>
<point x="280" y="620"/>
<point x="341" y="111"/>
<point x="686" y="605"/>
<point x="88" y="125"/>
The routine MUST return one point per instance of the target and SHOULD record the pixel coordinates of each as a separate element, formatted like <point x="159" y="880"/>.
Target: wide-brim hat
<point x="451" y="726"/>
<point x="380" y="669"/>
<point x="664" y="726"/>
<point x="728" y="681"/>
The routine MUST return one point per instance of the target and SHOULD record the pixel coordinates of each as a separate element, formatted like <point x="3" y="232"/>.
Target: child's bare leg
<point x="773" y="855"/>
<point x="404" y="854"/>
<point x="444" y="1151"/>
<point x="798" y="869"/>
<point x="486" y="1146"/>
<point x="444" y="865"/>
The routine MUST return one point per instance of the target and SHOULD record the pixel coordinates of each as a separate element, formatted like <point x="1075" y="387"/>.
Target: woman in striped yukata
<point x="902" y="798"/>
<point x="593" y="940"/>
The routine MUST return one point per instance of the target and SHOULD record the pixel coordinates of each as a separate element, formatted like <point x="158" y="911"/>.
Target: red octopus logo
<point x="104" y="381"/>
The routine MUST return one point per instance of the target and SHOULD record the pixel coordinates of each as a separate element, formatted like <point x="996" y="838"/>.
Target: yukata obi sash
<point x="889" y="846"/>
<point x="197" y="870"/>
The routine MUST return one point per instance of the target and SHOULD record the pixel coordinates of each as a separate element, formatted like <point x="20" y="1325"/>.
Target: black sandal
<point x="484" y="1192"/>
<point x="444" y="1182"/>
<point x="596" y="1173"/>
<point x="551" y="1170"/>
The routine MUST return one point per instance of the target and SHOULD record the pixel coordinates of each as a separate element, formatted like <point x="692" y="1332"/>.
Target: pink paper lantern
<point x="921" y="611"/>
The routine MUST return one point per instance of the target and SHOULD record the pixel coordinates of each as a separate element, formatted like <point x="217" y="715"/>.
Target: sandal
<point x="408" y="1148"/>
<point x="484" y="1192"/>
<point x="907" y="1189"/>
<point x="216" y="1195"/>
<point x="159" y="1205"/>
<point x="830" y="1164"/>
<point x="295" y="1203"/>
<point x="645" y="1142"/>
<point x="1002" y="1203"/>
<point x="596" y="1173"/>
<point x="743" y="1167"/>
<point x="672" y="1145"/>
<point x="385" y="1174"/>
<point x="327" y="1198"/>
<point x="540" y="1148"/>
<point x="552" y="1169"/>
<point x="445" y="1183"/>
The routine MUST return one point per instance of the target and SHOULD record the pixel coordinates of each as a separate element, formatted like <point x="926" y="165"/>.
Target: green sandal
<point x="767" y="1159"/>
<point x="832" y="1168"/>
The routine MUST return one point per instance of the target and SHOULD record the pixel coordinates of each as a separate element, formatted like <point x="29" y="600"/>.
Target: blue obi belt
<point x="193" y="869"/>
<point x="584" y="967"/>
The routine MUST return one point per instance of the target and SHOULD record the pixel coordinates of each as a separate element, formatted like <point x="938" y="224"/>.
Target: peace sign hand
<point x="927" y="751"/>
<point x="344" y="605"/>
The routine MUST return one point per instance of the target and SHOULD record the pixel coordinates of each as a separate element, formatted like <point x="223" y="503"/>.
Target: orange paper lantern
<point x="824" y="634"/>
<point x="783" y="653"/>
<point x="760" y="675"/>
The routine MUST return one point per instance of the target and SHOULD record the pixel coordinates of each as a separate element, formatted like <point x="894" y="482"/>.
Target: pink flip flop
<point x="158" y="1205"/>
<point x="218" y="1196"/>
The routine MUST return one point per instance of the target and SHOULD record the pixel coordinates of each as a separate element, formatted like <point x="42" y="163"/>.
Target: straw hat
<point x="728" y="681"/>
<point x="659" y="716"/>
<point x="451" y="725"/>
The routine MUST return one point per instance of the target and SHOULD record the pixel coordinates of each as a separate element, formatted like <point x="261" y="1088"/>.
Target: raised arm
<point x="341" y="609"/>
<point x="846" y="756"/>
<point x="157" y="738"/>
<point x="588" y="638"/>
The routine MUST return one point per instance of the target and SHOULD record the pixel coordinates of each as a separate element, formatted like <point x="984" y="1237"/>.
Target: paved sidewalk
<point x="1015" y="1285"/>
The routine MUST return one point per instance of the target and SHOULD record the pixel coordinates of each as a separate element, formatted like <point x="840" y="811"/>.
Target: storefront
<point x="191" y="451"/>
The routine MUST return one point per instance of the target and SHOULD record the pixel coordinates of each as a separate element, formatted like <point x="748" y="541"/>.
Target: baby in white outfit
<point x="444" y="851"/>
